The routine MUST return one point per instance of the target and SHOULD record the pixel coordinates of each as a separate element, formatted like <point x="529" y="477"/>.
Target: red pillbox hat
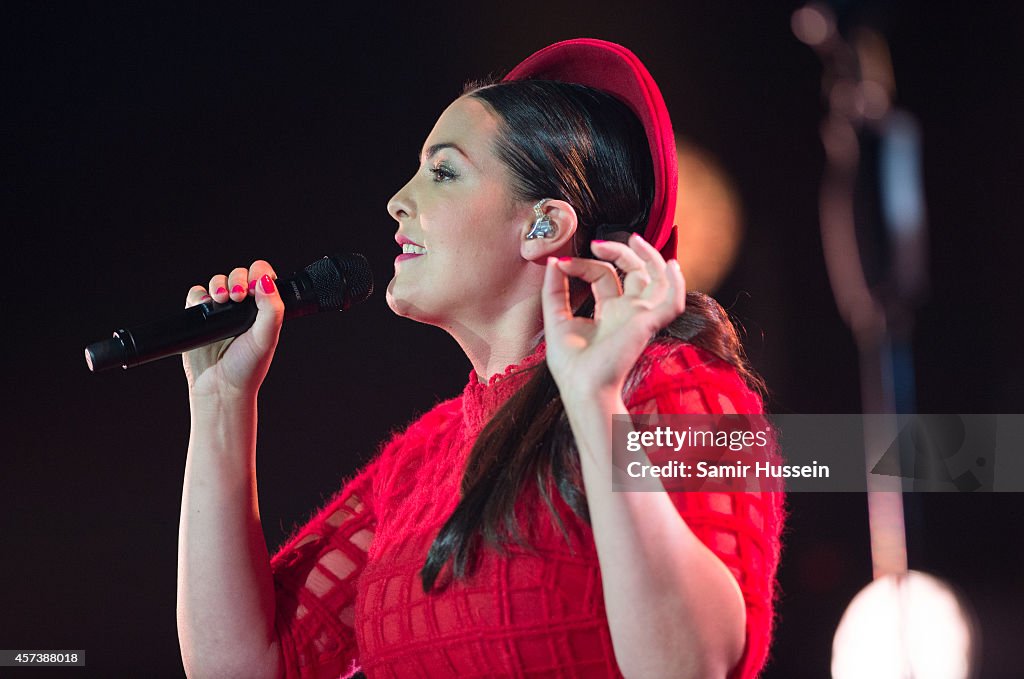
<point x="614" y="69"/>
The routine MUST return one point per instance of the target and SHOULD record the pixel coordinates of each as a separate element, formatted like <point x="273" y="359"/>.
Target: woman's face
<point x="462" y="223"/>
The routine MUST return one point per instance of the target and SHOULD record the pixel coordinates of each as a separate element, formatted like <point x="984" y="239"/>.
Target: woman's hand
<point x="234" y="368"/>
<point x="590" y="357"/>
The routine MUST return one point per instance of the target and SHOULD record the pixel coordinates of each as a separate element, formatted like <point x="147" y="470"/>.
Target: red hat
<point x="612" y="68"/>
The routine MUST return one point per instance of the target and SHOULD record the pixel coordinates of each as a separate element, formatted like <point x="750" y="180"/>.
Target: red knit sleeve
<point x="741" y="528"/>
<point x="315" y="573"/>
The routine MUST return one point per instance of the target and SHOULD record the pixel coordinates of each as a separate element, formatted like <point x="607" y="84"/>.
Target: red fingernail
<point x="237" y="290"/>
<point x="267" y="284"/>
<point x="564" y="259"/>
<point x="252" y="285"/>
<point x="598" y="240"/>
<point x="204" y="298"/>
<point x="221" y="291"/>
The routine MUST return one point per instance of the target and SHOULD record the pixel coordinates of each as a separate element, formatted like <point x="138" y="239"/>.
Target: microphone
<point x="329" y="284"/>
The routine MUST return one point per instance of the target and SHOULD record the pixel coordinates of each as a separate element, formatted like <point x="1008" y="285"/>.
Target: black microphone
<point x="329" y="284"/>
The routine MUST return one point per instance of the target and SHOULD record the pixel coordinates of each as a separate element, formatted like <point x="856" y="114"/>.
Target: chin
<point x="396" y="304"/>
<point x="398" y="308"/>
<point x="404" y="307"/>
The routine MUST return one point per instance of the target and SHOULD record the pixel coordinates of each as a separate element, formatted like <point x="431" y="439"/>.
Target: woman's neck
<point x="492" y="344"/>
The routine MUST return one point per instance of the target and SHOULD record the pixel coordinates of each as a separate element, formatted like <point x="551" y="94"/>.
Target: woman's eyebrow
<point x="433" y="149"/>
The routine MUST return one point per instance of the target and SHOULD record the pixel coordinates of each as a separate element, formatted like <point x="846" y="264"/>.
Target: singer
<point x="485" y="539"/>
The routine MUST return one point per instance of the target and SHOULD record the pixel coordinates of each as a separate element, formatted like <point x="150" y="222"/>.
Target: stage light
<point x="813" y="24"/>
<point x="709" y="219"/>
<point x="900" y="626"/>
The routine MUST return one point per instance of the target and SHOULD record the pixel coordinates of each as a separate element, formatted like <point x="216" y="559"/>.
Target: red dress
<point x="349" y="592"/>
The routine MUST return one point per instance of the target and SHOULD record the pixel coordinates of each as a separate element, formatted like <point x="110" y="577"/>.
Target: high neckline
<point x="480" y="401"/>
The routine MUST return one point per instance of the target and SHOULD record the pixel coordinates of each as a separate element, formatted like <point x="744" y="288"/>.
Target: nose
<point x="401" y="204"/>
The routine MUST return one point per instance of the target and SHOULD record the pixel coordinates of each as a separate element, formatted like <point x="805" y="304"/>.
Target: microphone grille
<point x="340" y="281"/>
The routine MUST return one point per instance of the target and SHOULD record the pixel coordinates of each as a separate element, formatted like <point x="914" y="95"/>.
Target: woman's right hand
<point x="234" y="368"/>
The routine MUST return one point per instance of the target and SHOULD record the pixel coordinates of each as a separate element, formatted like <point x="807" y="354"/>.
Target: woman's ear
<point x="549" y="231"/>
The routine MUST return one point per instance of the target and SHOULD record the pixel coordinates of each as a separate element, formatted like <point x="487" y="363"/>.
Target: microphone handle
<point x="196" y="326"/>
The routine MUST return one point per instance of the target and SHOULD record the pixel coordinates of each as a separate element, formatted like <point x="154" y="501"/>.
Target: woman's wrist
<point x="221" y="405"/>
<point x="589" y="398"/>
<point x="590" y="418"/>
<point x="225" y="430"/>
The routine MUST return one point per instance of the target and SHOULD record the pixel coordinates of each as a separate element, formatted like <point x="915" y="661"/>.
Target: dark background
<point x="147" y="147"/>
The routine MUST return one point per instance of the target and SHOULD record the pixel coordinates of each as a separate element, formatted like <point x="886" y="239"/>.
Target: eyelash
<point x="442" y="173"/>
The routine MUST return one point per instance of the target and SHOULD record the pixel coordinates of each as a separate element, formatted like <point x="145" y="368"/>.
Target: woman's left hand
<point x="592" y="356"/>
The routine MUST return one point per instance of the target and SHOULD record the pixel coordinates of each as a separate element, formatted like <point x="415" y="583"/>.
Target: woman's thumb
<point x="271" y="312"/>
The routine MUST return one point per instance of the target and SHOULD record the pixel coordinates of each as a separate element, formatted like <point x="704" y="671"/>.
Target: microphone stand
<point x="873" y="235"/>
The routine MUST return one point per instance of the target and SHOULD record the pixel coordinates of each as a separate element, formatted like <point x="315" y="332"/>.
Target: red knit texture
<point x="349" y="592"/>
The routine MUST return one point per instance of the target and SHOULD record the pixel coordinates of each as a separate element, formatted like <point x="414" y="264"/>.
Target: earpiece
<point x="542" y="226"/>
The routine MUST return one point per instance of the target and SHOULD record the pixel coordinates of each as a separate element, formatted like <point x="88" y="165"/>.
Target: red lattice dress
<point x="349" y="593"/>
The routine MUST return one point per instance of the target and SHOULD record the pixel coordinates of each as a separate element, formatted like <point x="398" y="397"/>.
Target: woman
<point x="485" y="540"/>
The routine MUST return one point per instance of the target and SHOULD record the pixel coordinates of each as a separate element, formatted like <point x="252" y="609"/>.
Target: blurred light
<point x="709" y="219"/>
<point x="903" y="194"/>
<point x="877" y="80"/>
<point x="903" y="203"/>
<point x="900" y="626"/>
<point x="840" y="141"/>
<point x="875" y="99"/>
<point x="847" y="98"/>
<point x="813" y="24"/>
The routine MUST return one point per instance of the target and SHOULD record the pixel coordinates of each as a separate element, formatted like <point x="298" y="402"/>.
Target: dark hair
<point x="583" y="146"/>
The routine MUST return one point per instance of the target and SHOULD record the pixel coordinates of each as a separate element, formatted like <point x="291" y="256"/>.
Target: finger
<point x="267" y="327"/>
<point x="196" y="295"/>
<point x="219" y="288"/>
<point x="636" y="282"/>
<point x="626" y="259"/>
<point x="673" y="302"/>
<point x="655" y="265"/>
<point x="555" y="296"/>
<point x="677" y="287"/>
<point x="257" y="270"/>
<point x="238" y="284"/>
<point x="646" y="252"/>
<point x="263" y="284"/>
<point x="619" y="254"/>
<point x="603" y="279"/>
